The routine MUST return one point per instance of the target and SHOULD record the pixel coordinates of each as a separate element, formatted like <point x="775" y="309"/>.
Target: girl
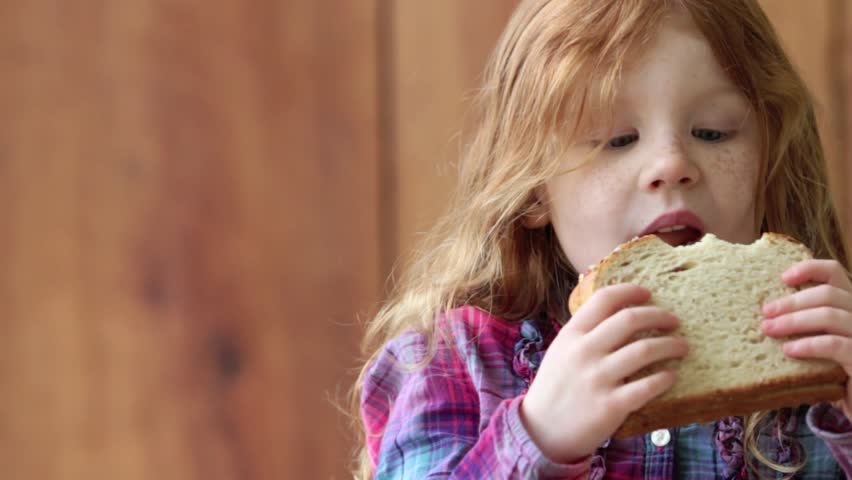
<point x="601" y="121"/>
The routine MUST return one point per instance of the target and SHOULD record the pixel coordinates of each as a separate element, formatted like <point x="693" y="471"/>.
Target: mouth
<point x="679" y="235"/>
<point x="677" y="228"/>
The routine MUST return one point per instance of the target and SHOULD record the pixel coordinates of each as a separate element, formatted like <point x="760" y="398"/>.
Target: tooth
<point x="673" y="228"/>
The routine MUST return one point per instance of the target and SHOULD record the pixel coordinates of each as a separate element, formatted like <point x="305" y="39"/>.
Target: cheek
<point x="574" y="199"/>
<point x="734" y="174"/>
<point x="597" y="190"/>
<point x="732" y="180"/>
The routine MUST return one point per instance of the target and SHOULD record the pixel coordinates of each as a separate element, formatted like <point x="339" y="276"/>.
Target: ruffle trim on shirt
<point x="535" y="337"/>
<point x="729" y="443"/>
<point x="529" y="351"/>
<point x="729" y="439"/>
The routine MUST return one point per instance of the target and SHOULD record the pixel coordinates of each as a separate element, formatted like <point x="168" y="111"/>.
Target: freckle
<point x="227" y="356"/>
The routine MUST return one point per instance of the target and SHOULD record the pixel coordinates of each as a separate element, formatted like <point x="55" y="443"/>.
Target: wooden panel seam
<point x="839" y="64"/>
<point x="387" y="146"/>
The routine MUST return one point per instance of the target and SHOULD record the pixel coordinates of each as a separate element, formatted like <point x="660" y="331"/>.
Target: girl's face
<point x="683" y="151"/>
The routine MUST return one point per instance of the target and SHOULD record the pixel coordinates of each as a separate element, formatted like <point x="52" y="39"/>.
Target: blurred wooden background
<point x="200" y="200"/>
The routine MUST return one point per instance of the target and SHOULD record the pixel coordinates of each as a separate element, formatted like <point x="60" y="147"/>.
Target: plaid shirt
<point x="458" y="417"/>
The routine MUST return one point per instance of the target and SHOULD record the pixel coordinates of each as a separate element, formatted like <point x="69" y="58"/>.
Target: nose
<point x="669" y="167"/>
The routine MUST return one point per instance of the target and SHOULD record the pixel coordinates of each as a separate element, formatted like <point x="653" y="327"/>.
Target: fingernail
<point x="769" y="308"/>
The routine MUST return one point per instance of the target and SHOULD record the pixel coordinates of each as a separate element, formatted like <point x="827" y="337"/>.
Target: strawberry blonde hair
<point x="555" y="59"/>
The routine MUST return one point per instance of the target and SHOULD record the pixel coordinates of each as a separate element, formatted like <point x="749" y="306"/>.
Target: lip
<point x="675" y="217"/>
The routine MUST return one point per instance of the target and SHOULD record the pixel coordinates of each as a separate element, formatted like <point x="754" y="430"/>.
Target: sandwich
<point x="717" y="290"/>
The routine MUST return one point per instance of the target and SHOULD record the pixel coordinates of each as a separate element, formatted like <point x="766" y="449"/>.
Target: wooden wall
<point x="189" y="195"/>
<point x="199" y="203"/>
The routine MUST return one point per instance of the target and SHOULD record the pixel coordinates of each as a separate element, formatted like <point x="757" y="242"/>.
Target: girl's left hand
<point x="823" y="312"/>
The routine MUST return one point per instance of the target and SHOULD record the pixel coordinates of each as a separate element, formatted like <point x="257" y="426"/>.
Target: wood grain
<point x="190" y="201"/>
<point x="440" y="49"/>
<point x="813" y="38"/>
<point x="843" y="96"/>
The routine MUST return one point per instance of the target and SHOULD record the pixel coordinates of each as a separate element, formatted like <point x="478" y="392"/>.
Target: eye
<point x="622" y="141"/>
<point x="708" y="135"/>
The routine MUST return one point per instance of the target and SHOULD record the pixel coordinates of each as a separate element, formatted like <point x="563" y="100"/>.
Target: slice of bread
<point x="717" y="290"/>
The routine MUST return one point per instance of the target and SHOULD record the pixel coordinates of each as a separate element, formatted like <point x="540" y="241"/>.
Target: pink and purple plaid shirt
<point x="458" y="417"/>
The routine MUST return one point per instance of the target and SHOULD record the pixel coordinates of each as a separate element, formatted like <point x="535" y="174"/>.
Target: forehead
<point x="676" y="66"/>
<point x="671" y="61"/>
<point x="678" y="58"/>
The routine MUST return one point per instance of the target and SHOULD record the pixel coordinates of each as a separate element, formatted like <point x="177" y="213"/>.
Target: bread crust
<point x="583" y="291"/>
<point x="588" y="284"/>
<point x="828" y="385"/>
<point x="714" y="405"/>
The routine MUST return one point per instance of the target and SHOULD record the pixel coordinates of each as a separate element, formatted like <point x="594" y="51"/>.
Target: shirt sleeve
<point x="832" y="426"/>
<point x="424" y="422"/>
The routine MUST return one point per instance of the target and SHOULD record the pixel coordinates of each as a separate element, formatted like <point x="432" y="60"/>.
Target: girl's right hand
<point x="580" y="395"/>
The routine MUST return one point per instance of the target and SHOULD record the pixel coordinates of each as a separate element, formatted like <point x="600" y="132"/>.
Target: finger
<point x="819" y="296"/>
<point x="606" y="302"/>
<point x="811" y="321"/>
<point x="620" y="328"/>
<point x="634" y="395"/>
<point x="829" y="347"/>
<point x="818" y="271"/>
<point x="637" y="355"/>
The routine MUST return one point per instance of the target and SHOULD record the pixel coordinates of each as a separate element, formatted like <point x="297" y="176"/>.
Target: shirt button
<point x="661" y="438"/>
